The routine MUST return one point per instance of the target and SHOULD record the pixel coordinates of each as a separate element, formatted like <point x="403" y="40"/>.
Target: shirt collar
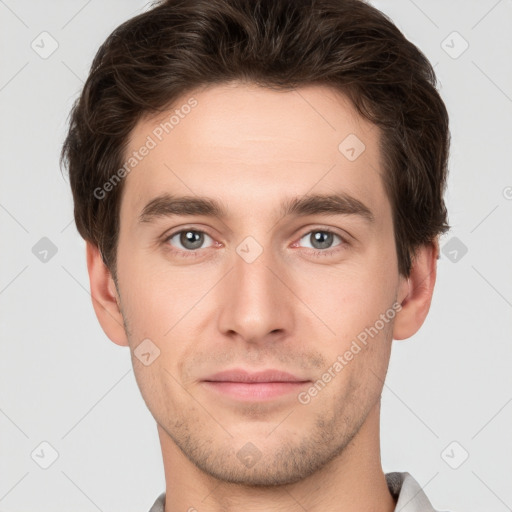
<point x="411" y="497"/>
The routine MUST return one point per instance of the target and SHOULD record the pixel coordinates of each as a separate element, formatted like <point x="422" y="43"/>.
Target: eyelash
<point x="313" y="252"/>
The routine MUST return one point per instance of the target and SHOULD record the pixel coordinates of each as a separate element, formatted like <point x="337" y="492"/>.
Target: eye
<point x="322" y="239"/>
<point x="190" y="239"/>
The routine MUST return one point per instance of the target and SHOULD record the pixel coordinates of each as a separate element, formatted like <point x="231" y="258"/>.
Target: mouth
<point x="242" y="385"/>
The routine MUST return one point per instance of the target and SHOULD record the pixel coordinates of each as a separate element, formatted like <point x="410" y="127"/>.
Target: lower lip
<point x="255" y="390"/>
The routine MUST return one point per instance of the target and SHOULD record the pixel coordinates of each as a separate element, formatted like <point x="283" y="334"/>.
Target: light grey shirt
<point x="402" y="486"/>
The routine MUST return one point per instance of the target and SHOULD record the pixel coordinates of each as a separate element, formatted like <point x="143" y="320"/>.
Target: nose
<point x="256" y="304"/>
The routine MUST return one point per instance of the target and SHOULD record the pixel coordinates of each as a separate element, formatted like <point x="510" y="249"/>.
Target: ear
<point x="415" y="293"/>
<point x="104" y="296"/>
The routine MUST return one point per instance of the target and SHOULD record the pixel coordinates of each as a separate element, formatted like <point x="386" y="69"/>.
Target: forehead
<point x="252" y="146"/>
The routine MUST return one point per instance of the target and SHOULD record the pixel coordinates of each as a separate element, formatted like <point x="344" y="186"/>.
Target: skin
<point x="250" y="148"/>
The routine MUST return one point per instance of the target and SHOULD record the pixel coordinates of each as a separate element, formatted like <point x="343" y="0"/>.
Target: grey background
<point x="63" y="382"/>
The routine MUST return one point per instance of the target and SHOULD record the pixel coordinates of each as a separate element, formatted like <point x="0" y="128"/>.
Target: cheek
<point x="346" y="298"/>
<point x="155" y="296"/>
<point x="159" y="389"/>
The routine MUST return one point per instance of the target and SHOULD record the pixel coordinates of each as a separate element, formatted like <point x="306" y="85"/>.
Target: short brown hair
<point x="179" y="45"/>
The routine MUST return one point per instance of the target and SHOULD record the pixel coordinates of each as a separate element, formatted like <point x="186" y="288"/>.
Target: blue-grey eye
<point x="321" y="239"/>
<point x="190" y="239"/>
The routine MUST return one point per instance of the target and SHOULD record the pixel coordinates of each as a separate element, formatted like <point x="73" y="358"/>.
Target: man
<point x="260" y="185"/>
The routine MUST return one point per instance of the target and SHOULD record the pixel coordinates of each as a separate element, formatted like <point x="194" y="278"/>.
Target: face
<point x="290" y="271"/>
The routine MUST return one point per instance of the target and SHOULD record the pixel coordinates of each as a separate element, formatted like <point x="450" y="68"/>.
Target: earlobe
<point x="104" y="296"/>
<point x="415" y="293"/>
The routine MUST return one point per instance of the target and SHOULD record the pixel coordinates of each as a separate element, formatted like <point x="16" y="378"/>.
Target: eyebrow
<point x="166" y="205"/>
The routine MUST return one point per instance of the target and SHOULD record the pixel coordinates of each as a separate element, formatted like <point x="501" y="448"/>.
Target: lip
<point x="240" y="375"/>
<point x="242" y="385"/>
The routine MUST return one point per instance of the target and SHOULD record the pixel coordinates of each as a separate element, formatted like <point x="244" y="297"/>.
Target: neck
<point x="352" y="481"/>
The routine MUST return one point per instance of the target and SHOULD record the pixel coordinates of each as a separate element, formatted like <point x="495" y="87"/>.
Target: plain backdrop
<point x="447" y="401"/>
